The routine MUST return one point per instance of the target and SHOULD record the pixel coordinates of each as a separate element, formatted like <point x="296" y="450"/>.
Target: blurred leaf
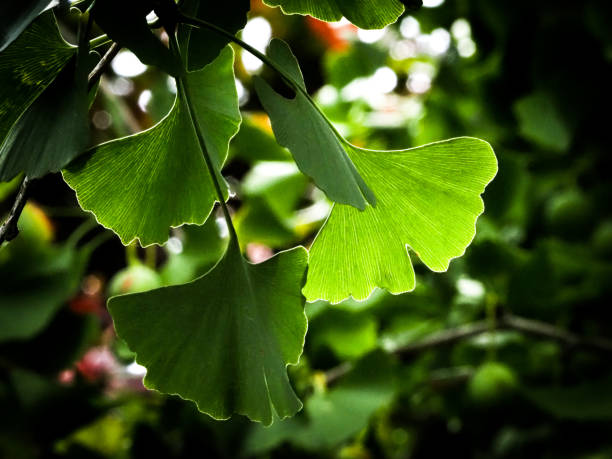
<point x="201" y="248"/>
<point x="301" y="127"/>
<point x="590" y="400"/>
<point x="126" y="24"/>
<point x="428" y="200"/>
<point x="140" y="186"/>
<point x="225" y="339"/>
<point x="373" y="14"/>
<point x="204" y="45"/>
<point x="360" y="60"/>
<point x="335" y="415"/>
<point x="541" y="122"/>
<point x="32" y="291"/>
<point x="15" y="17"/>
<point x="254" y="143"/>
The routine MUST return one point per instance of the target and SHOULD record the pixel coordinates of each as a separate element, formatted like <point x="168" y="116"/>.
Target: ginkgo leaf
<point x="15" y="16"/>
<point x="126" y="24"/>
<point x="428" y="200"/>
<point x="28" y="66"/>
<point x="60" y="123"/>
<point x="140" y="186"/>
<point x="371" y="14"/>
<point x="204" y="45"/>
<point x="225" y="339"/>
<point x="317" y="148"/>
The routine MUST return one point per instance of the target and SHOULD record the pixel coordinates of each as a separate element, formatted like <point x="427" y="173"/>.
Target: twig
<point x="98" y="70"/>
<point x="9" y="230"/>
<point x="531" y="327"/>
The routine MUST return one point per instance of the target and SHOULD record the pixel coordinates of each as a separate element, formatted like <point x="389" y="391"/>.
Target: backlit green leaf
<point x="225" y="339"/>
<point x="367" y="14"/>
<point x="140" y="186"/>
<point x="318" y="149"/>
<point x="428" y="199"/>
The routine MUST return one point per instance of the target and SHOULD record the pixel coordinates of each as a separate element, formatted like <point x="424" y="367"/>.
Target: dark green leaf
<point x="15" y="17"/>
<point x="225" y="339"/>
<point x="318" y="149"/>
<point x="204" y="45"/>
<point x="126" y="23"/>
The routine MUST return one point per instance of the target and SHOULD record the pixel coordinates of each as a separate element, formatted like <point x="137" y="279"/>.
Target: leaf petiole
<point x="199" y="23"/>
<point x="183" y="88"/>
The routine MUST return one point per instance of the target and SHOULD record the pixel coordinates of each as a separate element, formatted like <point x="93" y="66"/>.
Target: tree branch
<point x="100" y="67"/>
<point x="449" y="336"/>
<point x="9" y="230"/>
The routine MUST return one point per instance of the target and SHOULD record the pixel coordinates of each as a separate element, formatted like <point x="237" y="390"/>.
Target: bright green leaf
<point x="225" y="339"/>
<point x="15" y="16"/>
<point x="140" y="186"/>
<point x="428" y="201"/>
<point x="28" y="66"/>
<point x="371" y="14"/>
<point x="205" y="45"/>
<point x="318" y="149"/>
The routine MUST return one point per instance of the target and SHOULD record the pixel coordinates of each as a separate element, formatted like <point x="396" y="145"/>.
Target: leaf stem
<point x="199" y="23"/>
<point x="99" y="41"/>
<point x="183" y="88"/>
<point x="9" y="229"/>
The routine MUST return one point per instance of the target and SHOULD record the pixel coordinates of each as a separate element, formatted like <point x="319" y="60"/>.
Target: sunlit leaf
<point x="318" y="150"/>
<point x="140" y="186"/>
<point x="225" y="339"/>
<point x="428" y="199"/>
<point x="372" y="14"/>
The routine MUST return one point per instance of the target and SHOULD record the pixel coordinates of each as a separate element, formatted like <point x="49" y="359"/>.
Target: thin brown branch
<point x="9" y="230"/>
<point x="100" y="67"/>
<point x="450" y="336"/>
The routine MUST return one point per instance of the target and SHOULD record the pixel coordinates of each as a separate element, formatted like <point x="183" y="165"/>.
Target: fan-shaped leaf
<point x="225" y="339"/>
<point x="15" y="16"/>
<point x="140" y="186"/>
<point x="428" y="200"/>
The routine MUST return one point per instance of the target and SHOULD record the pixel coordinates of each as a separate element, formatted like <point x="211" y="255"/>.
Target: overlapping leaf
<point x="60" y="123"/>
<point x="367" y="14"/>
<point x="28" y="66"/>
<point x="15" y="17"/>
<point x="126" y="24"/>
<point x="313" y="142"/>
<point x="140" y="186"/>
<point x="225" y="339"/>
<point x="204" y="45"/>
<point x="428" y="199"/>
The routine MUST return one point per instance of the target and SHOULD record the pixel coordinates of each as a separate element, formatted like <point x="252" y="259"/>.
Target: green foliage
<point x="255" y="322"/>
<point x="440" y="185"/>
<point x="14" y="17"/>
<point x="370" y="15"/>
<point x="136" y="186"/>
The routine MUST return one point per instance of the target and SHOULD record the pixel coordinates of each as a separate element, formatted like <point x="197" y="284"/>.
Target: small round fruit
<point x="134" y="279"/>
<point x="492" y="383"/>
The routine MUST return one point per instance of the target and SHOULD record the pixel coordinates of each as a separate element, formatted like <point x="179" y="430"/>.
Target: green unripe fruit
<point x="492" y="383"/>
<point x="569" y="214"/>
<point x="134" y="279"/>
